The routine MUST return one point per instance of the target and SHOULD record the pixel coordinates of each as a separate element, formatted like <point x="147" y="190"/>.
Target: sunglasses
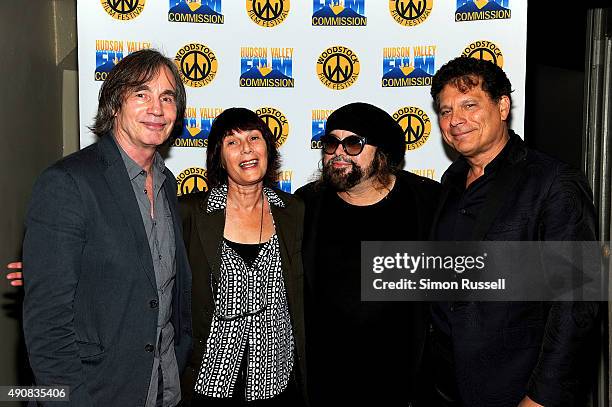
<point x="352" y="145"/>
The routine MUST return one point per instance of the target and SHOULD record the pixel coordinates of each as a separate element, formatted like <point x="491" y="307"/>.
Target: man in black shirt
<point x="361" y="352"/>
<point x="502" y="354"/>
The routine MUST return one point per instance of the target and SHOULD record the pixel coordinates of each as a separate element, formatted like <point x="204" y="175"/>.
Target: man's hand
<point x="15" y="277"/>
<point x="527" y="402"/>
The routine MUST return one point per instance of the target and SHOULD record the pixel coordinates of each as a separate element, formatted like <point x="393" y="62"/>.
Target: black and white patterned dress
<point x="251" y="320"/>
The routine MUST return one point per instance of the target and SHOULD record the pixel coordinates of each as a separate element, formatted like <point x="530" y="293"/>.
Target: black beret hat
<point x="373" y="123"/>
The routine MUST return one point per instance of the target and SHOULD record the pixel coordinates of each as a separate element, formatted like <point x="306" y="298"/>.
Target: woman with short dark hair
<point x="243" y="239"/>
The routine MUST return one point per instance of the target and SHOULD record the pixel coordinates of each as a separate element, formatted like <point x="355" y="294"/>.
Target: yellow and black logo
<point x="338" y="67"/>
<point x="486" y="50"/>
<point x="416" y="126"/>
<point x="267" y="13"/>
<point x="410" y="12"/>
<point x="191" y="180"/>
<point x="277" y="122"/>
<point x="197" y="65"/>
<point x="123" y="9"/>
<point x="473" y="10"/>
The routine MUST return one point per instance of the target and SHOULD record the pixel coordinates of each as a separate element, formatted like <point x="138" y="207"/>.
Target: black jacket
<point x="506" y="350"/>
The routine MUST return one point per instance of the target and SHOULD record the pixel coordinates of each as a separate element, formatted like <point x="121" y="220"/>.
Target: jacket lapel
<point x="119" y="184"/>
<point x="210" y="230"/>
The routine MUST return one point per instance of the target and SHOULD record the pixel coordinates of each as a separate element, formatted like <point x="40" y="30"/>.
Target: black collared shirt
<point x="459" y="216"/>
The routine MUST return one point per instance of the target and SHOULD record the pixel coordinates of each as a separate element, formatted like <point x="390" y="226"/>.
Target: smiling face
<point x="244" y="157"/>
<point x="146" y="117"/>
<point x="341" y="171"/>
<point x="472" y="123"/>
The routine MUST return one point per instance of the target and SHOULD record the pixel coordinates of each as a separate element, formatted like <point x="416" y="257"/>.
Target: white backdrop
<point x="228" y="44"/>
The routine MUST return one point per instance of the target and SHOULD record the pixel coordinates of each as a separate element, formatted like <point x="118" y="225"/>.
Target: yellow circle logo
<point x="338" y="67"/>
<point x="123" y="9"/>
<point x="191" y="180"/>
<point x="277" y="122"/>
<point x="197" y="65"/>
<point x="267" y="13"/>
<point x="416" y="126"/>
<point x="410" y="12"/>
<point x="486" y="50"/>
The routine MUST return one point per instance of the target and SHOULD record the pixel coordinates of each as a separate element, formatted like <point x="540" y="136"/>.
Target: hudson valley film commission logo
<point x="410" y="12"/>
<point x="473" y="10"/>
<point x="483" y="49"/>
<point x="195" y="11"/>
<point x="319" y="119"/>
<point x="416" y="126"/>
<point x="338" y="67"/>
<point x="339" y="13"/>
<point x="196" y="126"/>
<point x="267" y="13"/>
<point x="110" y="52"/>
<point x="277" y="123"/>
<point x="191" y="180"/>
<point x="197" y="65"/>
<point x="123" y="9"/>
<point x="408" y="66"/>
<point x="266" y="67"/>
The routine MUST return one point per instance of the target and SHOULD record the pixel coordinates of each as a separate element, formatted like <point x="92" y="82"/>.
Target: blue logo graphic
<point x="108" y="54"/>
<point x="319" y="119"/>
<point x="196" y="11"/>
<point x="266" y="67"/>
<point x="472" y="10"/>
<point x="284" y="181"/>
<point x="196" y="127"/>
<point x="405" y="66"/>
<point x="338" y="13"/>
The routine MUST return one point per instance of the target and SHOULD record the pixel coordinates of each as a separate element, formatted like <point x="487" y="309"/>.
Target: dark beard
<point x="340" y="181"/>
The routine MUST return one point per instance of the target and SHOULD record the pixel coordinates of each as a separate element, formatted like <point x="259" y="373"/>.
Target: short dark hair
<point x="131" y="72"/>
<point x="229" y="121"/>
<point x="465" y="73"/>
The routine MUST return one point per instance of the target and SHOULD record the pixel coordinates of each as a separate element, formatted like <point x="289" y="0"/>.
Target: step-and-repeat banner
<point x="295" y="61"/>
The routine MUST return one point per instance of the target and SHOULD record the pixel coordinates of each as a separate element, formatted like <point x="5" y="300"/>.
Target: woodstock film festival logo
<point x="408" y="66"/>
<point x="338" y="67"/>
<point x="123" y="9"/>
<point x="262" y="67"/>
<point x="416" y="125"/>
<point x="267" y="13"/>
<point x="319" y="119"/>
<point x="196" y="126"/>
<point x="483" y="49"/>
<point x="410" y="12"/>
<point x="197" y="65"/>
<point x="339" y="13"/>
<point x="473" y="10"/>
<point x="191" y="180"/>
<point x="195" y="11"/>
<point x="277" y="123"/>
<point x="110" y="52"/>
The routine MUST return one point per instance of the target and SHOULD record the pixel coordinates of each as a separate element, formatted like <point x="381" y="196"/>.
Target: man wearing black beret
<point x="361" y="352"/>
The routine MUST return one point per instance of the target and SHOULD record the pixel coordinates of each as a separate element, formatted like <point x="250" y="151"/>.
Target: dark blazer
<point x="203" y="233"/>
<point x="506" y="350"/>
<point x="89" y="314"/>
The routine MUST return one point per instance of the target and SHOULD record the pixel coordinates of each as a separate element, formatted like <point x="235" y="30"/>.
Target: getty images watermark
<point x="484" y="271"/>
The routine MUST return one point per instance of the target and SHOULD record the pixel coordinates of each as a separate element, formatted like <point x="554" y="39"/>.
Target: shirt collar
<point x="134" y="170"/>
<point x="456" y="174"/>
<point x="217" y="199"/>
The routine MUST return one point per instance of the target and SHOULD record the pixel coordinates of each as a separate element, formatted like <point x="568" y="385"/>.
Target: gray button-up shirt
<point x="160" y="233"/>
